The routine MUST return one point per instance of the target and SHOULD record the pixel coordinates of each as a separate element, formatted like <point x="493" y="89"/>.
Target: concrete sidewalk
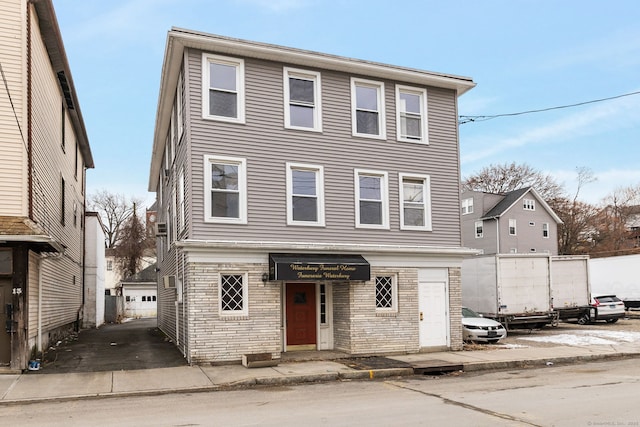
<point x="32" y="387"/>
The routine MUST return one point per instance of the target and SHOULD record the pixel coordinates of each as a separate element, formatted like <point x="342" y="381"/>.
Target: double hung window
<point x="479" y="226"/>
<point x="529" y="205"/>
<point x="416" y="202"/>
<point x="467" y="206"/>
<point x="302" y="99"/>
<point x="223" y="97"/>
<point x="545" y="230"/>
<point x="411" y="109"/>
<point x="512" y="227"/>
<point x="225" y="189"/>
<point x="372" y="201"/>
<point x="367" y="105"/>
<point x="305" y="195"/>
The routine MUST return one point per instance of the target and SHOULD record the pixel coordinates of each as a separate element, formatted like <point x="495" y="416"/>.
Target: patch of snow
<point x="588" y="337"/>
<point x="514" y="346"/>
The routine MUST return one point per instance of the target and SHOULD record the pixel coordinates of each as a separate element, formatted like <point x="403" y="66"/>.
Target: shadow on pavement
<point x="136" y="344"/>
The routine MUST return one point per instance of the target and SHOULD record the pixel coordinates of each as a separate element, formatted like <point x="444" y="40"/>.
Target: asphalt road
<point x="593" y="394"/>
<point x="137" y="344"/>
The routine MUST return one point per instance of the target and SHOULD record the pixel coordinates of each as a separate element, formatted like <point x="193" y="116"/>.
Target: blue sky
<point x="523" y="55"/>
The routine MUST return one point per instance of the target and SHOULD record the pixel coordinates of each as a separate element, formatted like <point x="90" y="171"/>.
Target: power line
<point x="468" y="119"/>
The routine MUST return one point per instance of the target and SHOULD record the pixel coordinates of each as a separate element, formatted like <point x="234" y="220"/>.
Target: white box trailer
<point x="570" y="287"/>
<point x="514" y="289"/>
<point x="619" y="276"/>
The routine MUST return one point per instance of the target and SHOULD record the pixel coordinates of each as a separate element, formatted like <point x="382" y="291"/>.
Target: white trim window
<point x="415" y="193"/>
<point x="529" y="204"/>
<point x="223" y="88"/>
<point x="411" y="114"/>
<point x="225" y="198"/>
<point x="512" y="227"/>
<point x="180" y="105"/>
<point x="302" y="100"/>
<point x="181" y="202"/>
<point x="479" y="228"/>
<point x="386" y="294"/>
<point x="372" y="199"/>
<point x="305" y="194"/>
<point x="545" y="230"/>
<point x="367" y="108"/>
<point x="233" y="300"/>
<point x="467" y="206"/>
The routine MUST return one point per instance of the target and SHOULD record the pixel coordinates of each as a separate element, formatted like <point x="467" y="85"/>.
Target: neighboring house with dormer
<point x="305" y="201"/>
<point x="519" y="221"/>
<point x="45" y="153"/>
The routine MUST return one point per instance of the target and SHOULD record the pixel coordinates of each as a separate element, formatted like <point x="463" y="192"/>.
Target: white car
<point x="476" y="328"/>
<point x="608" y="307"/>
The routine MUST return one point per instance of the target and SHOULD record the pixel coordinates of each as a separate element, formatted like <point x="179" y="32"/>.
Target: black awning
<point x="318" y="267"/>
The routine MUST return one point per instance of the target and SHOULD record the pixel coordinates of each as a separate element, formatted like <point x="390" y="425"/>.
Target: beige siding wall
<point x="61" y="277"/>
<point x="267" y="146"/>
<point x="13" y="144"/>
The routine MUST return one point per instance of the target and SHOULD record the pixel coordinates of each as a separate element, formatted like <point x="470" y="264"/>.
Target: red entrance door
<point x="301" y="314"/>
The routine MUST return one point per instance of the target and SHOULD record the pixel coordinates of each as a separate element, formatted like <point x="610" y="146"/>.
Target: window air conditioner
<point x="169" y="282"/>
<point x="161" y="229"/>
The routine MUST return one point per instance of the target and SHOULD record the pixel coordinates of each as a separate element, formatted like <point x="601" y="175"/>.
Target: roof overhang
<point x="178" y="39"/>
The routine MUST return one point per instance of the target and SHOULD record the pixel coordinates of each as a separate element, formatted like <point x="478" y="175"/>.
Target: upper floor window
<point x="467" y="206"/>
<point x="62" y="200"/>
<point x="225" y="189"/>
<point x="416" y="200"/>
<point x="223" y="97"/>
<point x="109" y="265"/>
<point x="367" y="108"/>
<point x="479" y="226"/>
<point x="302" y="99"/>
<point x="512" y="227"/>
<point x="372" y="199"/>
<point x="529" y="205"/>
<point x="545" y="230"/>
<point x="180" y="106"/>
<point x="63" y="126"/>
<point x="305" y="194"/>
<point x="411" y="110"/>
<point x="181" y="203"/>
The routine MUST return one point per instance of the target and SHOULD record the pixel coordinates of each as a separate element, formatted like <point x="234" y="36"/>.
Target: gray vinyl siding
<point x="267" y="146"/>
<point x="528" y="237"/>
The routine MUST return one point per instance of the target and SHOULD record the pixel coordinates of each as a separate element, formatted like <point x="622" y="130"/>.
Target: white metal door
<point x="434" y="312"/>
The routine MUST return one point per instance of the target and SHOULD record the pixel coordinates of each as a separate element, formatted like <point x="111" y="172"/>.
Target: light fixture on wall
<point x="265" y="278"/>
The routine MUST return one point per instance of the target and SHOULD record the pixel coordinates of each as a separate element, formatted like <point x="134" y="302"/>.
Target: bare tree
<point x="504" y="178"/>
<point x="130" y="248"/>
<point x="114" y="210"/>
<point x="576" y="231"/>
<point x="613" y="235"/>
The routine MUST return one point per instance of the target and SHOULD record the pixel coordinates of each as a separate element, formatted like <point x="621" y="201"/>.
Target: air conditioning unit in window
<point x="169" y="282"/>
<point x="161" y="229"/>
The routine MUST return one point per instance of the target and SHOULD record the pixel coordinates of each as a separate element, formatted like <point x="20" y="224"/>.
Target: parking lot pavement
<point x="136" y="344"/>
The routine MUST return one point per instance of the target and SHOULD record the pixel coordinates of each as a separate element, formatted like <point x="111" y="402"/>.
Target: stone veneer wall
<point x="213" y="338"/>
<point x="372" y="331"/>
<point x="455" y="307"/>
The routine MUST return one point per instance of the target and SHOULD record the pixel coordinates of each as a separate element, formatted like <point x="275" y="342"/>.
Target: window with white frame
<point x="109" y="265"/>
<point x="172" y="134"/>
<point x="479" y="226"/>
<point x="223" y="85"/>
<point x="233" y="294"/>
<point x="467" y="206"/>
<point x="415" y="194"/>
<point x="225" y="189"/>
<point x="367" y="108"/>
<point x="411" y="114"/>
<point x="529" y="205"/>
<point x="512" y="227"/>
<point x="302" y="99"/>
<point x="545" y="230"/>
<point x="180" y="105"/>
<point x="372" y="199"/>
<point x="305" y="194"/>
<point x="181" y="203"/>
<point x="386" y="294"/>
